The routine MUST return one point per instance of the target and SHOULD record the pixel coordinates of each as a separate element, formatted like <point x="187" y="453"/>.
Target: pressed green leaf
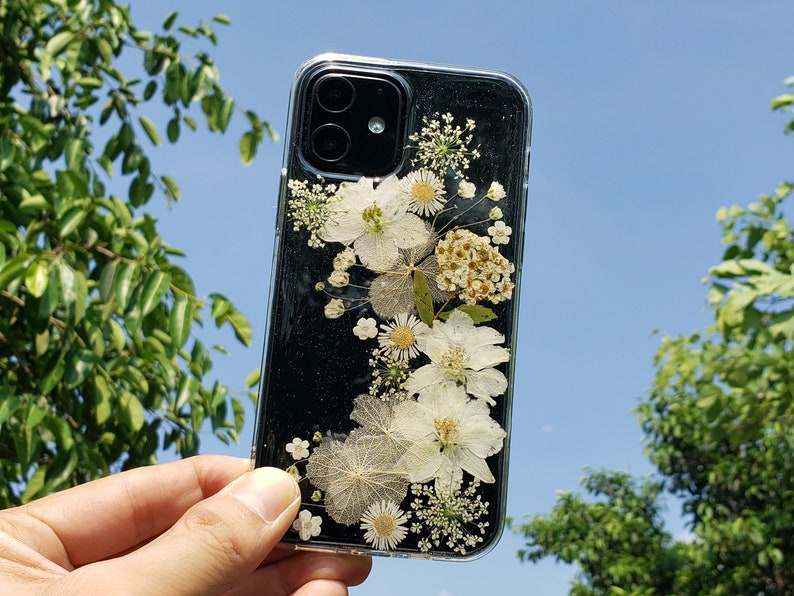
<point x="154" y="288"/>
<point x="477" y="312"/>
<point x="423" y="298"/>
<point x="150" y="129"/>
<point x="36" y="278"/>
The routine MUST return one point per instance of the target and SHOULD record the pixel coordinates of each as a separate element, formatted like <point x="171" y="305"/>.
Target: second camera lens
<point x="335" y="94"/>
<point x="330" y="142"/>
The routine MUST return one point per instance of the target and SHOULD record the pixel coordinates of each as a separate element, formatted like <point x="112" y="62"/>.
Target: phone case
<point x="389" y="355"/>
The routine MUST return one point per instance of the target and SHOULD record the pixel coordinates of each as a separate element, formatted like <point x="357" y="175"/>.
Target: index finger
<point x="102" y="518"/>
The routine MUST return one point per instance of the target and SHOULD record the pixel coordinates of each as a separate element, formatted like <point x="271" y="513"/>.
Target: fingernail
<point x="267" y="491"/>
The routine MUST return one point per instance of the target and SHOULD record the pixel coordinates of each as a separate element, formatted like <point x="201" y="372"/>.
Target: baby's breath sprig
<point x="308" y="207"/>
<point x="440" y="144"/>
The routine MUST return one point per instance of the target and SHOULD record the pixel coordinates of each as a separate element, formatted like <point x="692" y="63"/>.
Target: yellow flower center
<point x="402" y="337"/>
<point x="384" y="525"/>
<point x="423" y="192"/>
<point x="453" y="361"/>
<point x="373" y="217"/>
<point x="447" y="431"/>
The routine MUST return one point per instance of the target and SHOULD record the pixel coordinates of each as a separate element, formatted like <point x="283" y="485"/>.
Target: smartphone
<point x="389" y="356"/>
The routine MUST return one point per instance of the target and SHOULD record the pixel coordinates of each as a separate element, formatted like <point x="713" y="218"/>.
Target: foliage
<point x="719" y="426"/>
<point x="99" y="367"/>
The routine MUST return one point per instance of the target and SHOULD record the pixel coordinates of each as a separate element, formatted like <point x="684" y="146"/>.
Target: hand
<point x="204" y="525"/>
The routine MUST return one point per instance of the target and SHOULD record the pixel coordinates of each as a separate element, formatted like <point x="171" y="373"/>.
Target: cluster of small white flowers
<point x="345" y="259"/>
<point x="441" y="146"/>
<point x="389" y="374"/>
<point x="469" y="265"/>
<point x="496" y="192"/>
<point x="500" y="232"/>
<point x="453" y="518"/>
<point x="308" y="208"/>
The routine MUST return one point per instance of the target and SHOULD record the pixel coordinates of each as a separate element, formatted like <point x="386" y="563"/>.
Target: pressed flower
<point x="307" y="525"/>
<point x="462" y="354"/>
<point x="375" y="221"/>
<point x="392" y="293"/>
<point x="466" y="189"/>
<point x="345" y="259"/>
<point x="445" y="431"/>
<point x="389" y="373"/>
<point x="469" y="266"/>
<point x="440" y="145"/>
<point x="495" y="213"/>
<point x="449" y="518"/>
<point x="339" y="279"/>
<point x="500" y="232"/>
<point x="334" y="309"/>
<point x="496" y="192"/>
<point x="308" y="207"/>
<point x="402" y="335"/>
<point x="384" y="523"/>
<point x="298" y="449"/>
<point x="424" y="192"/>
<point x="355" y="473"/>
<point x="366" y="328"/>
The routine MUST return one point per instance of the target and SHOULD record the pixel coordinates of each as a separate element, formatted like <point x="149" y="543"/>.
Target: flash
<point x="376" y="125"/>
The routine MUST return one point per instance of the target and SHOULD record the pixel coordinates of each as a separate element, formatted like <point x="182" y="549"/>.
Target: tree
<point x="719" y="427"/>
<point x="99" y="365"/>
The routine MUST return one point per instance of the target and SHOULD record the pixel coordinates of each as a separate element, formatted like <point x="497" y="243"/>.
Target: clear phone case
<point x="387" y="372"/>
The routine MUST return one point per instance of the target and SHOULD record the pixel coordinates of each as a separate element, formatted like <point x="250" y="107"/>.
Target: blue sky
<point x="649" y="116"/>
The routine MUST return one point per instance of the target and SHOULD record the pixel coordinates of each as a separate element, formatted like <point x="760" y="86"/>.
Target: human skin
<point x="203" y="525"/>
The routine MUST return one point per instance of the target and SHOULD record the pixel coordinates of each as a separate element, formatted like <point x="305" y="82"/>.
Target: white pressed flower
<point x="307" y="525"/>
<point x="345" y="259"/>
<point x="424" y="192"/>
<point x="402" y="335"/>
<point x="466" y="189"/>
<point x="462" y="354"/>
<point x="495" y="214"/>
<point x="446" y="431"/>
<point x="375" y="221"/>
<point x="384" y="523"/>
<point x="500" y="232"/>
<point x="334" y="309"/>
<point x="339" y="279"/>
<point x="366" y="328"/>
<point x="298" y="449"/>
<point x="496" y="192"/>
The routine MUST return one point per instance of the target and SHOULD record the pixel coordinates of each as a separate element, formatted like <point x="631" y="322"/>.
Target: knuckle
<point x="219" y="535"/>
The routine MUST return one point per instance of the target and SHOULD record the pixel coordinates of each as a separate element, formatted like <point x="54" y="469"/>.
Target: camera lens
<point x="335" y="94"/>
<point x="330" y="142"/>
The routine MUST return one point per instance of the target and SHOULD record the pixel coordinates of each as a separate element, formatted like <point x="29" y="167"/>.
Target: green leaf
<point x="78" y="367"/>
<point x="150" y="129"/>
<point x="103" y="396"/>
<point x="241" y="326"/>
<point x="188" y="387"/>
<point x="169" y="21"/>
<point x="36" y="278"/>
<point x="72" y="154"/>
<point x="248" y="145"/>
<point x="132" y="412"/>
<point x="172" y="129"/>
<point x="58" y="42"/>
<point x="423" y="298"/>
<point x="222" y="19"/>
<point x="35" y="202"/>
<point x="33" y="416"/>
<point x="253" y="379"/>
<point x="477" y="313"/>
<point x="106" y="281"/>
<point x="8" y="406"/>
<point x="124" y="283"/>
<point x="181" y="320"/>
<point x="154" y="288"/>
<point x="70" y="221"/>
<point x="172" y="187"/>
<point x="12" y="269"/>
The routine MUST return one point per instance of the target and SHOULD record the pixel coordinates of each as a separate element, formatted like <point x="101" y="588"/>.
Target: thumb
<point x="218" y="541"/>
